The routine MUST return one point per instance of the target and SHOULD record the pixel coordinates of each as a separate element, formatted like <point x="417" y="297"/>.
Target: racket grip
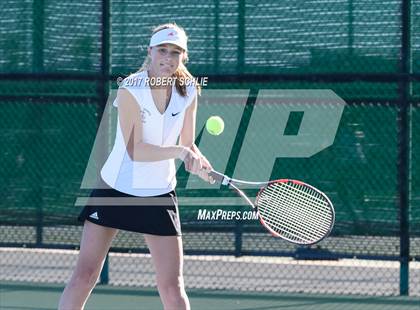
<point x="219" y="177"/>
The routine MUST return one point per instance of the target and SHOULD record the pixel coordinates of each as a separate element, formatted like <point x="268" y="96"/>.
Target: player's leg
<point x="94" y="246"/>
<point x="167" y="257"/>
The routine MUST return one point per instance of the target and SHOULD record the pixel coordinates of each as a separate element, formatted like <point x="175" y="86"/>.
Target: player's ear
<point x="149" y="51"/>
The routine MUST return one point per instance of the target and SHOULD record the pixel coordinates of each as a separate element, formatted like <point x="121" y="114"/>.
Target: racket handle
<point x="219" y="177"/>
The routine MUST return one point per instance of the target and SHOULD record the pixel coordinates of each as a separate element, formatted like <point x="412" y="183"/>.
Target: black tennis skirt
<point x="156" y="215"/>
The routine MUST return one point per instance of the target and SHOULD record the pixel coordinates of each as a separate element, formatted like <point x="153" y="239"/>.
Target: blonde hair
<point x="181" y="74"/>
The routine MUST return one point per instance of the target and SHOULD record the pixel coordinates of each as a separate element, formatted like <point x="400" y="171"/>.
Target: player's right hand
<point x="193" y="162"/>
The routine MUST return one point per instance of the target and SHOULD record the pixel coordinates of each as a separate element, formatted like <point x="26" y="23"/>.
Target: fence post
<point x="38" y="36"/>
<point x="103" y="91"/>
<point x="38" y="66"/>
<point x="37" y="174"/>
<point x="233" y="158"/>
<point x="241" y="37"/>
<point x="238" y="234"/>
<point x="403" y="149"/>
<point x="350" y="34"/>
<point x="104" y="277"/>
<point x="216" y="36"/>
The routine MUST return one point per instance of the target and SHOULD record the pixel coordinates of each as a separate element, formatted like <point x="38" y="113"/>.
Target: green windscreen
<point x="61" y="59"/>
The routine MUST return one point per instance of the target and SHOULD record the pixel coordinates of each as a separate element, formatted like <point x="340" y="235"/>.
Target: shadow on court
<point x="24" y="296"/>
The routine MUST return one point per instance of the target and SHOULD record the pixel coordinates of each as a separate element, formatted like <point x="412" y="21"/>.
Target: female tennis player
<point x="141" y="165"/>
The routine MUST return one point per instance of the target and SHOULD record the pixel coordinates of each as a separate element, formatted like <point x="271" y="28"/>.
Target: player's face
<point x="165" y="59"/>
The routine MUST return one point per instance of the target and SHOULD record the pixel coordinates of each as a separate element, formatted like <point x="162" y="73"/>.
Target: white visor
<point x="169" y="35"/>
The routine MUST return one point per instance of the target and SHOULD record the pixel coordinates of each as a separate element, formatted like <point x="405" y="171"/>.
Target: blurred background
<point x="60" y="61"/>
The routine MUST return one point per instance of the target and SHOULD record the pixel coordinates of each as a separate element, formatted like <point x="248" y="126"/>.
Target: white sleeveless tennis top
<point x="147" y="178"/>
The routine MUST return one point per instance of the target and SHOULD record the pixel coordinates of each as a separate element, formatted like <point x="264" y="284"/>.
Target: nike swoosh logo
<point x="175" y="114"/>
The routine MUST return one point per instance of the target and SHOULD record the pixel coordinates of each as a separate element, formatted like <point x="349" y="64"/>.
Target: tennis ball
<point x="215" y="125"/>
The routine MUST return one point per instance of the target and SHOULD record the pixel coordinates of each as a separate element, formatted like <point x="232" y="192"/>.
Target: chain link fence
<point x="60" y="59"/>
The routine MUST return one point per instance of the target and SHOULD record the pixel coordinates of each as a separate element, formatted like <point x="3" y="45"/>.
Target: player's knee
<point x="172" y="291"/>
<point x="86" y="275"/>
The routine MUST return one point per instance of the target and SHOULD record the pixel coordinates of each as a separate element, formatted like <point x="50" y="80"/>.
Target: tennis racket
<point x="289" y="209"/>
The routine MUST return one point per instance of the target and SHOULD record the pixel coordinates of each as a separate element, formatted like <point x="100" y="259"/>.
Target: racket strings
<point x="296" y="220"/>
<point x="295" y="227"/>
<point x="313" y="196"/>
<point x="302" y="219"/>
<point x="316" y="211"/>
<point x="285" y="210"/>
<point x="296" y="212"/>
<point x="296" y="193"/>
<point x="293" y="230"/>
<point x="302" y="216"/>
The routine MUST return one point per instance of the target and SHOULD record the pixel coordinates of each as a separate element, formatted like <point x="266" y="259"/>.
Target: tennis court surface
<point x="15" y="296"/>
<point x="213" y="282"/>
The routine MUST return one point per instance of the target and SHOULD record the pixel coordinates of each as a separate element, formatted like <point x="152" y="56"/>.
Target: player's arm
<point x="131" y="126"/>
<point x="187" y="138"/>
